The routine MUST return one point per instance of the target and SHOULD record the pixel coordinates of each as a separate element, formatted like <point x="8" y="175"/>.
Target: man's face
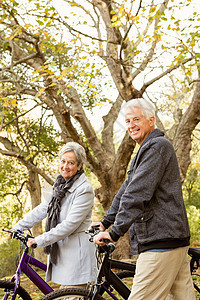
<point x="137" y="125"/>
<point x="69" y="165"/>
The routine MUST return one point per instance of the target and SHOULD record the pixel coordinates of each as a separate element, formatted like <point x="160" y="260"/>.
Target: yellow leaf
<point x="116" y="24"/>
<point x="13" y="101"/>
<point x="114" y="18"/>
<point x="41" y="90"/>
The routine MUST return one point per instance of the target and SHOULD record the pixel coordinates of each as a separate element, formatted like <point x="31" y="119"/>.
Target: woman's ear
<point x="79" y="167"/>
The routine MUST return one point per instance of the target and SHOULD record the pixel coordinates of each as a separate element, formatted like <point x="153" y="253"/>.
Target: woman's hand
<point x="11" y="234"/>
<point x="31" y="242"/>
<point x="98" y="239"/>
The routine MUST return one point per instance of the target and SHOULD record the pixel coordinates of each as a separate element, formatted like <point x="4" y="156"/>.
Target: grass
<point x="196" y="279"/>
<point x="36" y="294"/>
<point x="31" y="288"/>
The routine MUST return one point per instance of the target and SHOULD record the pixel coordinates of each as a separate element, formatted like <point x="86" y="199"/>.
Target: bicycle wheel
<point x="70" y="293"/>
<point x="196" y="289"/>
<point x="7" y="287"/>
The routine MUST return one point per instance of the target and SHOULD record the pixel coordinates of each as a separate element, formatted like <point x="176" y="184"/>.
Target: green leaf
<point x="5" y="45"/>
<point x="59" y="92"/>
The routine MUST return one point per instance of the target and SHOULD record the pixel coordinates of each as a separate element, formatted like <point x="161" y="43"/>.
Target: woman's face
<point x="69" y="165"/>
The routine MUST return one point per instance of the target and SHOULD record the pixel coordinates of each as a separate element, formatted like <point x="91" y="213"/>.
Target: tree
<point x="191" y="186"/>
<point x="8" y="183"/>
<point x="32" y="144"/>
<point x="64" y="63"/>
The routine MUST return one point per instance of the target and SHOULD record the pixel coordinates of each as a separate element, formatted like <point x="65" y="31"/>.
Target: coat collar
<point x="154" y="133"/>
<point x="77" y="183"/>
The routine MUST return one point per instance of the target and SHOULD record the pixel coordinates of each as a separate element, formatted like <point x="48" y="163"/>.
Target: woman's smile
<point x="69" y="165"/>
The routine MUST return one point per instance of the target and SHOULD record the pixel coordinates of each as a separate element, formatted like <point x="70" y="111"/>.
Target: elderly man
<point x="150" y="204"/>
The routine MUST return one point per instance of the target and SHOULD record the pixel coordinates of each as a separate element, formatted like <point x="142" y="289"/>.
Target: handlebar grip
<point x="7" y="230"/>
<point x="105" y="241"/>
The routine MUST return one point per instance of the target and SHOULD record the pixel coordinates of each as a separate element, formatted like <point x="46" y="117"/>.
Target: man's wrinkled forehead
<point x="133" y="112"/>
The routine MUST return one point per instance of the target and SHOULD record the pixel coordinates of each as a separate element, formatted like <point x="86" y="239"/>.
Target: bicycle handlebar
<point x="109" y="247"/>
<point x="16" y="234"/>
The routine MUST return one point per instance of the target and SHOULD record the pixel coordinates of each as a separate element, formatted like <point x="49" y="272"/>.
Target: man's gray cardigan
<point x="150" y="201"/>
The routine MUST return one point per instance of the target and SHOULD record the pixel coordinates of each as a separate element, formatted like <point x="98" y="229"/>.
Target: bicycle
<point x="12" y="289"/>
<point x="108" y="282"/>
<point x="194" y="253"/>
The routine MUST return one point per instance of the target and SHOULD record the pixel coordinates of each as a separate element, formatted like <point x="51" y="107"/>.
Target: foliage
<point x="194" y="223"/>
<point x="98" y="212"/>
<point x="191" y="192"/>
<point x="59" y="64"/>
<point x="11" y="184"/>
<point x="191" y="186"/>
<point x="27" y="140"/>
<point x="8" y="257"/>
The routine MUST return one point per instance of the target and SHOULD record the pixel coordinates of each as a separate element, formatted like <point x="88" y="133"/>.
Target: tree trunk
<point x="183" y="138"/>
<point x="34" y="188"/>
<point x="59" y="95"/>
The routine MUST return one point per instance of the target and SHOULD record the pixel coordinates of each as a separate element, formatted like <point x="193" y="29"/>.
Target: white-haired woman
<point x="71" y="257"/>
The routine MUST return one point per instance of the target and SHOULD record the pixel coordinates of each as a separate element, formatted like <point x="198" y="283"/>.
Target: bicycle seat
<point x="194" y="251"/>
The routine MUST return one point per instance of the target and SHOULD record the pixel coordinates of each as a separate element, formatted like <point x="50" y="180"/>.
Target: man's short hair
<point x="146" y="107"/>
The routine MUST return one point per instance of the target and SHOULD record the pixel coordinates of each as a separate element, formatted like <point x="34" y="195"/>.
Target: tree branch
<point x="145" y="86"/>
<point x="14" y="151"/>
<point x="18" y="192"/>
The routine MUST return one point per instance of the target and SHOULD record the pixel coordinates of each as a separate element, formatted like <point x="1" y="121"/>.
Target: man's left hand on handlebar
<point x="98" y="239"/>
<point x="101" y="227"/>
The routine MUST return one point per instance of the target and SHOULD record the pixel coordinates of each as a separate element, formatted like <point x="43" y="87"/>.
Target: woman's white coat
<point x="76" y="263"/>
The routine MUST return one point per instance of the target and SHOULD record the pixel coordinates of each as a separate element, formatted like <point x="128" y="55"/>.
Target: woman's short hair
<point x="146" y="107"/>
<point x="78" y="150"/>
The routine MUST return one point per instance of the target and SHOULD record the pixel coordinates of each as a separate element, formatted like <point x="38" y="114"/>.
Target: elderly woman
<point x="71" y="257"/>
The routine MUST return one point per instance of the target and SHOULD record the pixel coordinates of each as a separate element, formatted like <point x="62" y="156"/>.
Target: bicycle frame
<point x="105" y="270"/>
<point x="194" y="263"/>
<point x="112" y="279"/>
<point x="24" y="266"/>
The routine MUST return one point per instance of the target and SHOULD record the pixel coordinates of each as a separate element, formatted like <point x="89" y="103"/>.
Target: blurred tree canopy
<point x="61" y="61"/>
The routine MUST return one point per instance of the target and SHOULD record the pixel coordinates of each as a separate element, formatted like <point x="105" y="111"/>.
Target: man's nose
<point x="132" y="123"/>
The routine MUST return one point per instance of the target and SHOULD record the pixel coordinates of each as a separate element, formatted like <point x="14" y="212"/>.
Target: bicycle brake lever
<point x="29" y="236"/>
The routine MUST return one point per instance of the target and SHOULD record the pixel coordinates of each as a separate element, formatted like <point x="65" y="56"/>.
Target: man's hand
<point x="31" y="242"/>
<point x="101" y="227"/>
<point x="97" y="239"/>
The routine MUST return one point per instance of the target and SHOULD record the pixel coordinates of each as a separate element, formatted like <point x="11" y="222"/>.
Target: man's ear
<point x="152" y="121"/>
